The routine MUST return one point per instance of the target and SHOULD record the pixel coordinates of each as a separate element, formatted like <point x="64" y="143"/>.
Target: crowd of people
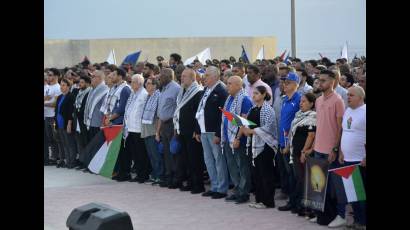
<point x="298" y="110"/>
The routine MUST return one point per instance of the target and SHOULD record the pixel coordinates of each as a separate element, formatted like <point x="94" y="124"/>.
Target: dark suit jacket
<point x="212" y="113"/>
<point x="67" y="108"/>
<point x="187" y="121"/>
<point x="79" y="115"/>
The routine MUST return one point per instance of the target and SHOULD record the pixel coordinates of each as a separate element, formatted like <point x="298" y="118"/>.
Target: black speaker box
<point x="97" y="216"/>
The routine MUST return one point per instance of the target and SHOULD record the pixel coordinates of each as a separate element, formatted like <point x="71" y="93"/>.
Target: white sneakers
<point x="337" y="222"/>
<point x="313" y="220"/>
<point x="257" y="205"/>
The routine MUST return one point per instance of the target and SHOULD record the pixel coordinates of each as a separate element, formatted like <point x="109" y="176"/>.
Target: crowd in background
<point x="297" y="109"/>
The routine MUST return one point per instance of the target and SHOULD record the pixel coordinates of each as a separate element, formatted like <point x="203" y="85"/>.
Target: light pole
<point x="293" y="29"/>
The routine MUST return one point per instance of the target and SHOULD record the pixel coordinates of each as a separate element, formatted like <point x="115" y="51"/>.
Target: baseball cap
<point x="293" y="77"/>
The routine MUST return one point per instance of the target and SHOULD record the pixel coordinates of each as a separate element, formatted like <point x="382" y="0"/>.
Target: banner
<point x="316" y="172"/>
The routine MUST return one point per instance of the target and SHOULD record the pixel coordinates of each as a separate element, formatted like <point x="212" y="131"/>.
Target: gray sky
<point x="321" y="25"/>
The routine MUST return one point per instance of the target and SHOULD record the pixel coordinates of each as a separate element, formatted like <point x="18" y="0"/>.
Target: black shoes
<point x="164" y="184"/>
<point x="135" y="179"/>
<point x="197" y="191"/>
<point x="123" y="178"/>
<point x="208" y="193"/>
<point x="175" y="185"/>
<point x="218" y="195"/>
<point x="242" y="199"/>
<point x="287" y="207"/>
<point x="231" y="198"/>
<point x="185" y="188"/>
<point x="61" y="165"/>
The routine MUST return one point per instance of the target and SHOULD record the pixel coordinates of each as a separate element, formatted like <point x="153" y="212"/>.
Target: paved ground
<point x="154" y="208"/>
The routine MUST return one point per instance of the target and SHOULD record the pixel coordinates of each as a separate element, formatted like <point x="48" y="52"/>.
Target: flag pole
<point x="293" y="28"/>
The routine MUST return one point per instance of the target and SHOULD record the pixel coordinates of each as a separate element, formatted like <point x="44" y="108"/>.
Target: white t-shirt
<point x="53" y="91"/>
<point x="354" y="134"/>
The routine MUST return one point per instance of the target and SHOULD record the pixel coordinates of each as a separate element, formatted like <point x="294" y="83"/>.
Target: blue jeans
<point x="341" y="208"/>
<point x="156" y="159"/>
<point x="215" y="164"/>
<point x="239" y="169"/>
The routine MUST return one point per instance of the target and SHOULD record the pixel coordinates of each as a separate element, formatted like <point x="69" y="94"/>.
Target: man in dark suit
<point x="209" y="119"/>
<point x="78" y="116"/>
<point x="189" y="163"/>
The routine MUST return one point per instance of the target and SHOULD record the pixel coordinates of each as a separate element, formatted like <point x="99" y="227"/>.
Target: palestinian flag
<point x="348" y="183"/>
<point x="104" y="160"/>
<point x="236" y="120"/>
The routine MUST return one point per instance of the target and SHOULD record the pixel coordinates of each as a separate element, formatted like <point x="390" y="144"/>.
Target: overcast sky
<point x="321" y="25"/>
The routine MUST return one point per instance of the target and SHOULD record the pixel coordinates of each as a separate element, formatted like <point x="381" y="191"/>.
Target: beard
<point x="317" y="90"/>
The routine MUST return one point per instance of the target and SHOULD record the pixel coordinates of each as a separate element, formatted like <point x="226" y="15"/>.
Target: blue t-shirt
<point x="246" y="106"/>
<point x="289" y="109"/>
<point x="119" y="107"/>
<point x="60" y="119"/>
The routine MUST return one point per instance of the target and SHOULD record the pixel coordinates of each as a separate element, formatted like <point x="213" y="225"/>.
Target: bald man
<point x="234" y="146"/>
<point x="189" y="162"/>
<point x="353" y="143"/>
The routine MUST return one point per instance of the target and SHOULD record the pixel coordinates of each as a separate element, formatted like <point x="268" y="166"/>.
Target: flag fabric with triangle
<point x="111" y="58"/>
<point x="261" y="54"/>
<point x="236" y="120"/>
<point x="348" y="183"/>
<point x="132" y="58"/>
<point x="282" y="56"/>
<point x="244" y="56"/>
<point x="104" y="160"/>
<point x="201" y="56"/>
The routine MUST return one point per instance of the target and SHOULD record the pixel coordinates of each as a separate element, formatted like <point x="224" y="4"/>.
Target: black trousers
<point x="190" y="162"/>
<point x="91" y="133"/>
<point x="264" y="177"/>
<point x="299" y="174"/>
<point x="134" y="149"/>
<point x="50" y="139"/>
<point x="283" y="167"/>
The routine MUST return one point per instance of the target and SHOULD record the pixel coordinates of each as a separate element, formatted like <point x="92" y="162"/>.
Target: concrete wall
<point x="61" y="53"/>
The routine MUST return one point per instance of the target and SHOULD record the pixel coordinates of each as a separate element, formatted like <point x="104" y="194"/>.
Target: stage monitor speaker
<point x="97" y="216"/>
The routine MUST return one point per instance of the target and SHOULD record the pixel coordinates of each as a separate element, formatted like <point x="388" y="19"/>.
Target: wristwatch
<point x="335" y="149"/>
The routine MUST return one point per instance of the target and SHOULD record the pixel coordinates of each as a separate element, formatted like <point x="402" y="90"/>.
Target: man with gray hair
<point x="209" y="133"/>
<point x="92" y="115"/>
<point x="134" y="145"/>
<point x="166" y="107"/>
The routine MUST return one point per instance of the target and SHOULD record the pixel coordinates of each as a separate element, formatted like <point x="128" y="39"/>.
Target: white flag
<point x="344" y="52"/>
<point x="202" y="57"/>
<point x="111" y="58"/>
<point x="261" y="54"/>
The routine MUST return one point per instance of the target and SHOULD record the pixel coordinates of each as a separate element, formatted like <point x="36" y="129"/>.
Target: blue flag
<point x="131" y="58"/>
<point x="244" y="56"/>
<point x="286" y="59"/>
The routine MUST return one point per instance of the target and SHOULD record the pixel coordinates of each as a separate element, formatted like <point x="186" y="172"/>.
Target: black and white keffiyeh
<point x="182" y="99"/>
<point x="266" y="133"/>
<point x="235" y="108"/>
<point x="80" y="97"/>
<point x="150" y="108"/>
<point x="307" y="118"/>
